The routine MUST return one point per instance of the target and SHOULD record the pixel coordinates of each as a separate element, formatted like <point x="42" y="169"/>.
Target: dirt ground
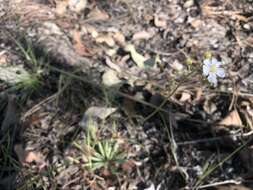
<point x="142" y="115"/>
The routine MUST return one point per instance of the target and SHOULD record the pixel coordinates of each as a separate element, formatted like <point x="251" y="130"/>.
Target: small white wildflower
<point x="212" y="69"/>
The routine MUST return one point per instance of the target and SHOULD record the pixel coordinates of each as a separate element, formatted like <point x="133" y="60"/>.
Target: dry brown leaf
<point x="119" y="38"/>
<point x="185" y="97"/>
<point x="91" y="30"/>
<point x="196" y="23"/>
<point x="27" y="157"/>
<point x="129" y="107"/>
<point x="147" y="17"/>
<point x="111" y="52"/>
<point x="142" y="35"/>
<point x="233" y="118"/>
<point x="99" y="112"/>
<point x="77" y="5"/>
<point x="128" y="166"/>
<point x="160" y="21"/>
<point x="106" y="39"/>
<point x="61" y="7"/>
<point x="3" y="57"/>
<point x="34" y="119"/>
<point x="97" y="14"/>
<point x="32" y="157"/>
<point x="209" y="107"/>
<point x="198" y="94"/>
<point x="78" y="45"/>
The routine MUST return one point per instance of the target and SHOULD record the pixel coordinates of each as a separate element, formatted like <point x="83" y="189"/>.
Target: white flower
<point x="212" y="69"/>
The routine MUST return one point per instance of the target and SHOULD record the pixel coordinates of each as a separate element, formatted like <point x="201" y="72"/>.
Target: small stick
<point x="235" y="182"/>
<point x="212" y="139"/>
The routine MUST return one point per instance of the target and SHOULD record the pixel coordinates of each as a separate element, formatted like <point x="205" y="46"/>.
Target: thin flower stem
<point x="171" y="94"/>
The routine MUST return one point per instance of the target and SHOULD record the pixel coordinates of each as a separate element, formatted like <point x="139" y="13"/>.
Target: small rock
<point x="246" y="27"/>
<point x="188" y="3"/>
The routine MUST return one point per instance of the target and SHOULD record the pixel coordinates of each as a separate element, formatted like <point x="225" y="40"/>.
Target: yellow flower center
<point x="213" y="68"/>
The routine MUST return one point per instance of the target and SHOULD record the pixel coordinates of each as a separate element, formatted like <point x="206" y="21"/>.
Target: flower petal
<point x="220" y="72"/>
<point x="216" y="62"/>
<point x="207" y="62"/>
<point x="205" y="70"/>
<point x="212" y="79"/>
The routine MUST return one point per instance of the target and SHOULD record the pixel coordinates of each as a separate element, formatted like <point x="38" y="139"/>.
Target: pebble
<point x="188" y="3"/>
<point x="246" y="27"/>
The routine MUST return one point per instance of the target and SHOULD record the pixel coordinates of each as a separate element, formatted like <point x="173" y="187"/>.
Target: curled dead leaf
<point x="233" y="118"/>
